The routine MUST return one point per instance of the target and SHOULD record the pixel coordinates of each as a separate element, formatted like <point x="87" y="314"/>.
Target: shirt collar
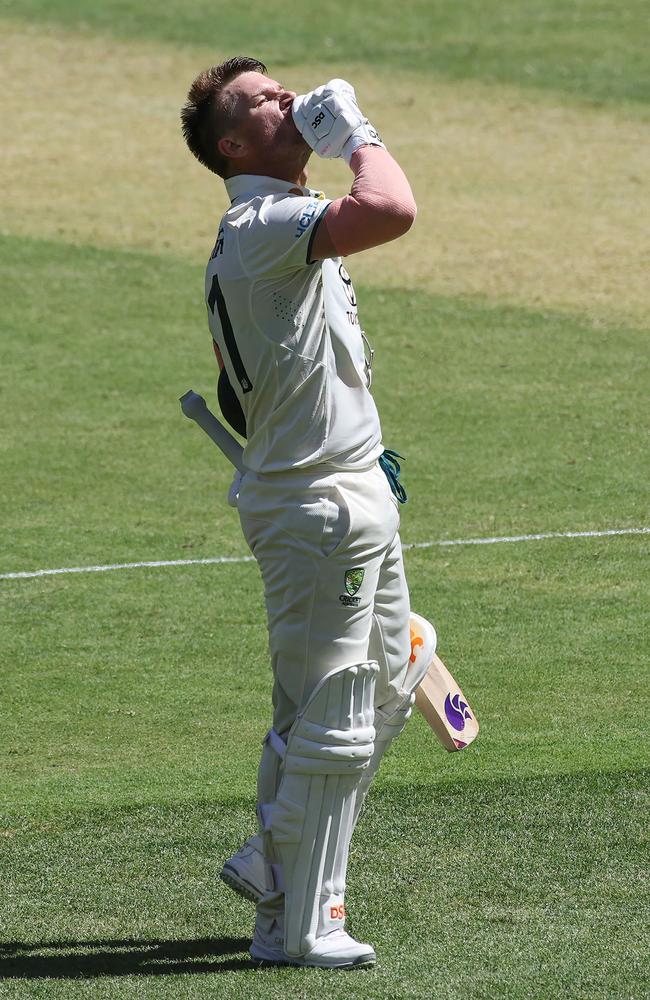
<point x="252" y="184"/>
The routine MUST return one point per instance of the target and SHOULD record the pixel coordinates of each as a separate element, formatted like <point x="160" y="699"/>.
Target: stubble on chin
<point x="292" y="141"/>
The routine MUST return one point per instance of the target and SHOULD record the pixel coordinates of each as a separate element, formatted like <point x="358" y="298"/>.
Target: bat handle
<point x="195" y="407"/>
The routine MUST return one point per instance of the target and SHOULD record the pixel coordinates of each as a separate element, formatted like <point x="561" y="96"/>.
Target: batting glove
<point x="330" y="121"/>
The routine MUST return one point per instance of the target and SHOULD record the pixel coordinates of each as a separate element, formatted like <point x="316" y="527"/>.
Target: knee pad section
<point x="334" y="734"/>
<point x="329" y="747"/>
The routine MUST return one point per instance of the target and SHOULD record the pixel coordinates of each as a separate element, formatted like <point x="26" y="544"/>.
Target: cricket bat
<point x="444" y="706"/>
<point x="195" y="407"/>
<point x="437" y="695"/>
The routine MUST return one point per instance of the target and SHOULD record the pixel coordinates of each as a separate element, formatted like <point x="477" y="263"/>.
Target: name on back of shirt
<point x="218" y="247"/>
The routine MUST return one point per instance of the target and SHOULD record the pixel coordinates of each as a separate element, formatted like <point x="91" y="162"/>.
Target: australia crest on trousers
<point x="353" y="580"/>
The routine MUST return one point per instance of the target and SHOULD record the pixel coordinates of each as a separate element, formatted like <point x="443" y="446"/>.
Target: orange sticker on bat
<point x="416" y="640"/>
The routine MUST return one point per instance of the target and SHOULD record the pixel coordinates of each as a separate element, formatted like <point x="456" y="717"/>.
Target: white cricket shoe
<point x="336" y="950"/>
<point x="245" y="871"/>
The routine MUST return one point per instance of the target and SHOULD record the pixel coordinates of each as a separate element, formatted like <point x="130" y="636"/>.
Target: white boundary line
<point x="439" y="543"/>
<point x="134" y="565"/>
<point x="528" y="538"/>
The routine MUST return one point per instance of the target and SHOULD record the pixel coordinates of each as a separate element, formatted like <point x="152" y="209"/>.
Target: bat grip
<point x="194" y="406"/>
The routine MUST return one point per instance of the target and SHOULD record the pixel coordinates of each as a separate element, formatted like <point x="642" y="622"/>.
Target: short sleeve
<point x="278" y="236"/>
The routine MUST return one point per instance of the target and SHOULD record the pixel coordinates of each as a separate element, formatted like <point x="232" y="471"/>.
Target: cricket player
<point x="316" y="506"/>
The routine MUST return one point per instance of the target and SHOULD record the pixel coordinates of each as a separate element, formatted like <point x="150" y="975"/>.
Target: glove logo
<point x="457" y="711"/>
<point x="322" y="122"/>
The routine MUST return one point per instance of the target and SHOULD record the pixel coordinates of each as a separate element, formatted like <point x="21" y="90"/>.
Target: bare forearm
<point x="380" y="206"/>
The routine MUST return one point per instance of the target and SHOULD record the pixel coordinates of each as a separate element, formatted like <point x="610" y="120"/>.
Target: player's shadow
<point x="129" y="957"/>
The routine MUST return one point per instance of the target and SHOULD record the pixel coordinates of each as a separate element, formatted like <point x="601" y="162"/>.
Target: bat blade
<point x="195" y="407"/>
<point x="437" y="695"/>
<point x="445" y="707"/>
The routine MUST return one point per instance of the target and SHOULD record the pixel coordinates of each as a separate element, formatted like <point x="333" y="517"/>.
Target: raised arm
<point x="380" y="206"/>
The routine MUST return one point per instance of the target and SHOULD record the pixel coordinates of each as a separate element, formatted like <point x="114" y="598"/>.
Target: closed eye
<point x="261" y="98"/>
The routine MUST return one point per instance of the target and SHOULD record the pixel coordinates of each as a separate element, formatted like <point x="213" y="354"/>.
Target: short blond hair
<point x="206" y="118"/>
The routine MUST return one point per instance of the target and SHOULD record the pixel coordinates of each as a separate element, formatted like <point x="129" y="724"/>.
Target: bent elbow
<point x="356" y="224"/>
<point x="408" y="214"/>
<point x="403" y="216"/>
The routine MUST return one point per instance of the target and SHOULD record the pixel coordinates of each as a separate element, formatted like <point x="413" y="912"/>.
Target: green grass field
<point x="511" y="330"/>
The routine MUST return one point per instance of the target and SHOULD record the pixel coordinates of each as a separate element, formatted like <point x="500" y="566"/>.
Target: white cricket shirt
<point x="289" y="333"/>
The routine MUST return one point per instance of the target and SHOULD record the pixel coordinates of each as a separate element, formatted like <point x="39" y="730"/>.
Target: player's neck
<point x="293" y="170"/>
<point x="291" y="177"/>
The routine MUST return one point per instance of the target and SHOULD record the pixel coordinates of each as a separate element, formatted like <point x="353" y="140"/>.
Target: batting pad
<point x="311" y="823"/>
<point x="392" y="717"/>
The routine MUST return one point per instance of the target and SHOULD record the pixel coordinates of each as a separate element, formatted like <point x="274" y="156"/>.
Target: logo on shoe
<point x="337" y="912"/>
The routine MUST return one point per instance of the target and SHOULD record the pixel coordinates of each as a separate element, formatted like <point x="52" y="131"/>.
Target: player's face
<point x="262" y="108"/>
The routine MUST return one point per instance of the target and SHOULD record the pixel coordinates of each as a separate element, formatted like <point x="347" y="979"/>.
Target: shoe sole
<point x="266" y="963"/>
<point x="362" y="962"/>
<point x="239" y="886"/>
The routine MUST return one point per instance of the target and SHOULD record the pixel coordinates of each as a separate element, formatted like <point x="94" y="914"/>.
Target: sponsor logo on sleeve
<point x="307" y="217"/>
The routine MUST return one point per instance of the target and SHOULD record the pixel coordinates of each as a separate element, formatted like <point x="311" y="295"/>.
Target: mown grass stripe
<point x="582" y="48"/>
<point x="506" y="181"/>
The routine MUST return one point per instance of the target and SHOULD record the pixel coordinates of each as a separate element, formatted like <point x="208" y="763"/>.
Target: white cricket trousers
<point x="312" y="534"/>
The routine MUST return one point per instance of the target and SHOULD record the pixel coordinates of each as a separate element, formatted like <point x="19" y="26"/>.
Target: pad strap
<point x="276" y="742"/>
